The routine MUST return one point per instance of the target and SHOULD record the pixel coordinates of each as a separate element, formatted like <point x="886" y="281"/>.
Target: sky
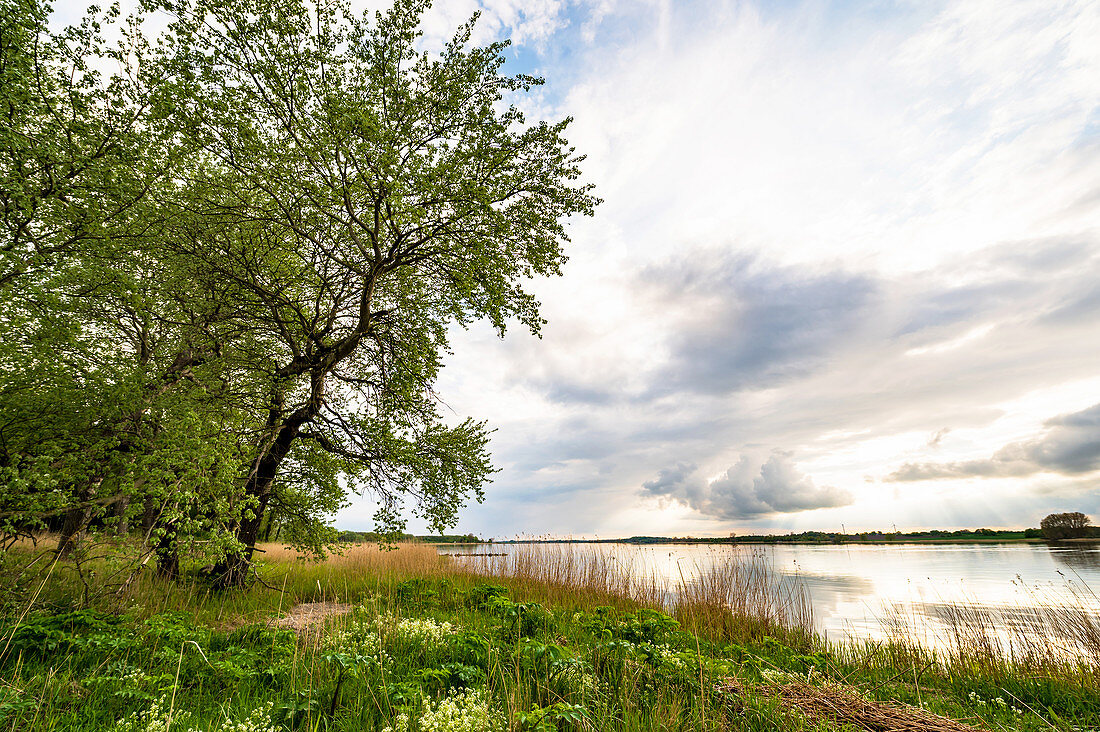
<point x="846" y="274"/>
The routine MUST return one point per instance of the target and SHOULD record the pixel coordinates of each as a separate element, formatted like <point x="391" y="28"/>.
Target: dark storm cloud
<point x="745" y="490"/>
<point x="1070" y="446"/>
<point x="931" y="310"/>
<point x="759" y="326"/>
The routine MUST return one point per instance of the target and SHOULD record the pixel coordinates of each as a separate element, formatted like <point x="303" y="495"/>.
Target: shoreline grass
<point x="563" y="641"/>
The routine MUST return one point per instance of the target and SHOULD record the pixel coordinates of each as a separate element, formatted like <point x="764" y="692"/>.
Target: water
<point x="854" y="588"/>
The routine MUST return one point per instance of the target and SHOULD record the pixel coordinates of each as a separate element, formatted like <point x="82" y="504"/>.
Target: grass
<point x="557" y="638"/>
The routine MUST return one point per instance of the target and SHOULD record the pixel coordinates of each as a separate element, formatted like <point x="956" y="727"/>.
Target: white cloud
<point x="828" y="232"/>
<point x="1069" y="445"/>
<point x="745" y="490"/>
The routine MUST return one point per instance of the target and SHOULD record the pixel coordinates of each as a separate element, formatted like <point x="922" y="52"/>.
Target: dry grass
<point x="737" y="598"/>
<point x="840" y="705"/>
<point x="41" y="542"/>
<point x="745" y="598"/>
<point x="419" y="560"/>
<point x="567" y="569"/>
<point x="311" y="615"/>
<point x="1035" y="633"/>
<point x="111" y="579"/>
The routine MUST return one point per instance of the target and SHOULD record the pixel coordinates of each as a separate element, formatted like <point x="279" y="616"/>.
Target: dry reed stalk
<point x="1033" y="634"/>
<point x="356" y="559"/>
<point x="747" y="592"/>
<point x="38" y="543"/>
<point x="736" y="596"/>
<point x="842" y="705"/>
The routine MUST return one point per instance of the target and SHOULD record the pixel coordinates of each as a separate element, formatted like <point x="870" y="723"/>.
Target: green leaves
<point x="369" y="195"/>
<point x="547" y="719"/>
<point x="239" y="259"/>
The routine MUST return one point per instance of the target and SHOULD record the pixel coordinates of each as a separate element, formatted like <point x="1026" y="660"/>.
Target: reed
<point x="745" y="599"/>
<point x="737" y="598"/>
<point x="1035" y="633"/>
<point x="559" y="636"/>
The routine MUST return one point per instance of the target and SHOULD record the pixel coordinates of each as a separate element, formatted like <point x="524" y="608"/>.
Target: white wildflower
<point x="258" y="720"/>
<point x="465" y="711"/>
<point x="400" y="724"/>
<point x="423" y="630"/>
<point x="159" y="717"/>
<point x="156" y="718"/>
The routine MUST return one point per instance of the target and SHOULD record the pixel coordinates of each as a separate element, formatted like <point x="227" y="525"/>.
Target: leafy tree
<point x="106" y="405"/>
<point x="64" y="138"/>
<point x="1065" y="525"/>
<point x="76" y="153"/>
<point x="358" y="197"/>
<point x="229" y="270"/>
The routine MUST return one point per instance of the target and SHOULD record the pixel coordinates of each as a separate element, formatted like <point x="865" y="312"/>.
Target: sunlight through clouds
<point x="830" y="233"/>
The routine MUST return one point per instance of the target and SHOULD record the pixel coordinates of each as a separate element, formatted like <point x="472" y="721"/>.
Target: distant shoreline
<point x="768" y="541"/>
<point x="757" y="542"/>
<point x="933" y="536"/>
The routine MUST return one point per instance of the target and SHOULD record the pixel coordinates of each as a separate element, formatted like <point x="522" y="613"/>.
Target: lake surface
<point x="857" y="588"/>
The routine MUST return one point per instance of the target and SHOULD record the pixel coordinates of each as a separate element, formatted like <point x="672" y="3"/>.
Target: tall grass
<point x="741" y="618"/>
<point x="1034" y="633"/>
<point x="739" y="597"/>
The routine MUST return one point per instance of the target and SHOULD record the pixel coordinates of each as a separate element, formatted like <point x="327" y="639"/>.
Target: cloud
<point x="1070" y="446"/>
<point x="742" y="325"/>
<point x="835" y="232"/>
<point x="937" y="438"/>
<point x="745" y="490"/>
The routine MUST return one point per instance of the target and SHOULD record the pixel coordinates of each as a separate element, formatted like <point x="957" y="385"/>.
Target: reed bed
<point x="540" y="617"/>
<point x="737" y="598"/>
<point x="744" y="598"/>
<point x="411" y="559"/>
<point x="1035" y="633"/>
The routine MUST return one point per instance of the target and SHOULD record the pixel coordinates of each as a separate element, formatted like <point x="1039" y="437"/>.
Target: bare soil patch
<point x="310" y="615"/>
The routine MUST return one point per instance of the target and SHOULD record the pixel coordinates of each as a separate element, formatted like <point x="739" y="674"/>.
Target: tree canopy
<point x="1065" y="525"/>
<point x="238" y="259"/>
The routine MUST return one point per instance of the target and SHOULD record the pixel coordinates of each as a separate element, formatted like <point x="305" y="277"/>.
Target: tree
<point x="1065" y="525"/>
<point x="76" y="152"/>
<point x="356" y="197"/>
<point x="109" y="399"/>
<point x="238" y="260"/>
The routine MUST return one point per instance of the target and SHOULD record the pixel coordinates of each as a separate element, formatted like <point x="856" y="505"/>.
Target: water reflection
<point x="1078" y="556"/>
<point x="827" y="593"/>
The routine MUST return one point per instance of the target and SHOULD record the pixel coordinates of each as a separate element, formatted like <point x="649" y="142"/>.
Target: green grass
<point x="427" y="639"/>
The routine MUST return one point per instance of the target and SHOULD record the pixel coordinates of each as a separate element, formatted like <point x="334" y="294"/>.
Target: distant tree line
<point x="809" y="537"/>
<point x="1075" y="525"/>
<point x="374" y="537"/>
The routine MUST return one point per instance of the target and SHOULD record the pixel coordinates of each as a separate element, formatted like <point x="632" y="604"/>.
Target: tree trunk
<point x="75" y="518"/>
<point x="168" y="556"/>
<point x="233" y="570"/>
<point x="122" y="528"/>
<point x="168" y="551"/>
<point x="148" y="516"/>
